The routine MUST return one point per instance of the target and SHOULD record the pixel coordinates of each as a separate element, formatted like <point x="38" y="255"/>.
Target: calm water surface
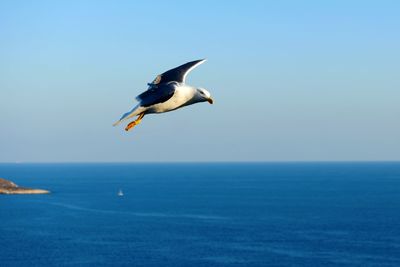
<point x="273" y="214"/>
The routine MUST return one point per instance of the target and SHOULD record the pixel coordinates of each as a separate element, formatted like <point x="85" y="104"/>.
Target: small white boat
<point x="120" y="193"/>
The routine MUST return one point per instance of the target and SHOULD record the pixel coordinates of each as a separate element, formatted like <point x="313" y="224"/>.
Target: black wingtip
<point x="194" y="61"/>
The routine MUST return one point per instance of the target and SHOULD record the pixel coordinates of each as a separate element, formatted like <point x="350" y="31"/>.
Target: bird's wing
<point x="157" y="94"/>
<point x="177" y="74"/>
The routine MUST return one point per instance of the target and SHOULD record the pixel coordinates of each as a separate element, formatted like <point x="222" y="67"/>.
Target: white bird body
<point x="183" y="94"/>
<point x="167" y="92"/>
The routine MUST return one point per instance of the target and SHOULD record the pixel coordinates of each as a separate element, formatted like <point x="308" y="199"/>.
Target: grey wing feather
<point x="157" y="94"/>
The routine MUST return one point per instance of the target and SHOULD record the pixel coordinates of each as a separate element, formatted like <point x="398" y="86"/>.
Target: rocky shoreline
<point x="9" y="188"/>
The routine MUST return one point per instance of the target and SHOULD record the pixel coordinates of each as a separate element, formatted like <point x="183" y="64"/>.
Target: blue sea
<point x="203" y="214"/>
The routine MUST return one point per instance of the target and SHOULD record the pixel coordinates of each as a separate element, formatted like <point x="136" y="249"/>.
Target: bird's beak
<point x="210" y="100"/>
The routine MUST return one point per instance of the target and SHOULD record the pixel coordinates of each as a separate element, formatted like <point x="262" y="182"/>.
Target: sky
<point x="291" y="80"/>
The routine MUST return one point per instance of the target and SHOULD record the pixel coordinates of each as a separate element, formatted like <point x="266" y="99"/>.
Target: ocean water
<point x="253" y="214"/>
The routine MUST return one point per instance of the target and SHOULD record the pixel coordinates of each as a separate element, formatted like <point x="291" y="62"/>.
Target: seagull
<point x="167" y="92"/>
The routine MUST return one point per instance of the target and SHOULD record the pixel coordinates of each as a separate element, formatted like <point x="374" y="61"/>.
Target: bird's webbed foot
<point x="135" y="122"/>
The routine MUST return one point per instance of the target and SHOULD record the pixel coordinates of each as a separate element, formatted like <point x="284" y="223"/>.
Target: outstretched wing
<point x="157" y="94"/>
<point x="177" y="74"/>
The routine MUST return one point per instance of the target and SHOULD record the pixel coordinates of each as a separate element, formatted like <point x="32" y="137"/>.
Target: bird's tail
<point x="135" y="111"/>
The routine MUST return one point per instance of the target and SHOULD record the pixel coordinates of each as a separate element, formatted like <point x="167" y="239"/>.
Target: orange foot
<point x="134" y="123"/>
<point x="131" y="125"/>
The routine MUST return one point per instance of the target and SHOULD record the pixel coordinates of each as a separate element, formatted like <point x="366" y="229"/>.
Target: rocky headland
<point x="8" y="187"/>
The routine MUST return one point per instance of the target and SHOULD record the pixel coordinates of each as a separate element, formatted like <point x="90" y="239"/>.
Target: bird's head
<point x="203" y="95"/>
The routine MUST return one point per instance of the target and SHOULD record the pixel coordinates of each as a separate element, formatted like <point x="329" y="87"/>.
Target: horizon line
<point x="201" y="162"/>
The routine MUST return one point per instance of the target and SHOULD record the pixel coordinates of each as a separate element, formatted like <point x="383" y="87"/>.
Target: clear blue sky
<point x="292" y="80"/>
